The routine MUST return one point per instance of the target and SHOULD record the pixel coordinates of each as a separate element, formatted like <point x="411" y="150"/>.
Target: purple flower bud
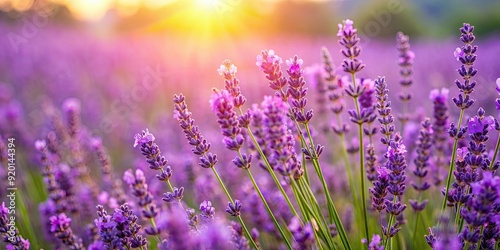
<point x="143" y="138"/>
<point x="40" y="145"/>
<point x="234" y="209"/>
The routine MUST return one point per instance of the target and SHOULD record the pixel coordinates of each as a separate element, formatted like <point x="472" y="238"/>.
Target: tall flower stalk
<point x="352" y="65"/>
<point x="424" y="144"/>
<point x="405" y="62"/>
<point x="465" y="55"/>
<point x="439" y="99"/>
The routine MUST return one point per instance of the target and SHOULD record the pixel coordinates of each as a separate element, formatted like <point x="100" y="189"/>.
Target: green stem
<point x="497" y="147"/>
<point x="247" y="233"/>
<point x="361" y="161"/>
<point x="287" y="242"/>
<point x="389" y="225"/>
<point x="332" y="211"/>
<point x="414" y="237"/>
<point x="310" y="214"/>
<point x="271" y="171"/>
<point x="452" y="162"/>
<point x="479" y="242"/>
<point x="362" y="177"/>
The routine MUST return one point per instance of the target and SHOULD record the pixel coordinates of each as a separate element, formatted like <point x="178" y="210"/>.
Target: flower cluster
<point x="120" y="230"/>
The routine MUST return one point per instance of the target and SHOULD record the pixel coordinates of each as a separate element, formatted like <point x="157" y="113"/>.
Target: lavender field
<point x="130" y="140"/>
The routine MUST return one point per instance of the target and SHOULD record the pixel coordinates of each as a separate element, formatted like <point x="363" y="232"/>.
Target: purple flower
<point x="152" y="152"/>
<point x="266" y="58"/>
<point x="366" y="99"/>
<point x="303" y="235"/>
<point x="461" y="153"/>
<point x="477" y="125"/>
<point x="9" y="233"/>
<point x="234" y="209"/>
<point x="379" y="190"/>
<point x="193" y="134"/>
<point x="59" y="222"/>
<point x="346" y="27"/>
<point x="143" y="138"/>
<point x="298" y="91"/>
<point x="60" y="227"/>
<point x="467" y="56"/>
<point x="439" y="96"/>
<point x="238" y="237"/>
<point x="207" y="211"/>
<point x="294" y="66"/>
<point x="440" y="127"/>
<point x="458" y="53"/>
<point x="374" y="243"/>
<point x="270" y="64"/>
<point x="227" y="68"/>
<point x="40" y="145"/>
<point x="481" y="211"/>
<point x="383" y="106"/>
<point x="223" y="107"/>
<point x="349" y="40"/>
<point x="72" y="105"/>
<point x="498" y="85"/>
<point x="278" y="136"/>
<point x="424" y="144"/>
<point x="141" y="192"/>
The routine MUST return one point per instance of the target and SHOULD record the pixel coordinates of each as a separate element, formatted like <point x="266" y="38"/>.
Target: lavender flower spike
<point x="466" y="55"/>
<point x="193" y="134"/>
<point x="9" y="233"/>
<point x="439" y="126"/>
<point x="152" y="152"/>
<point x="60" y="227"/>
<point x="350" y="40"/>
<point x="406" y="57"/>
<point x="140" y="190"/>
<point x="424" y="144"/>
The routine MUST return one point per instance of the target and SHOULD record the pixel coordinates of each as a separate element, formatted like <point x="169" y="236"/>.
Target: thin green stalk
<point x="363" y="177"/>
<point x="361" y="160"/>
<point x="247" y="233"/>
<point x="287" y="242"/>
<point x="308" y="213"/>
<point x="332" y="211"/>
<point x="479" y="242"/>
<point x="317" y="215"/>
<point x="389" y="225"/>
<point x="414" y="237"/>
<point x="271" y="171"/>
<point x="497" y="147"/>
<point x="452" y="162"/>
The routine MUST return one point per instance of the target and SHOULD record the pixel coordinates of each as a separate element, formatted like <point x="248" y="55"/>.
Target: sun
<point x="207" y="3"/>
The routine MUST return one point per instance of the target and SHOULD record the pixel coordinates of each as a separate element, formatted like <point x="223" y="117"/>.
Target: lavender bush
<point x="328" y="159"/>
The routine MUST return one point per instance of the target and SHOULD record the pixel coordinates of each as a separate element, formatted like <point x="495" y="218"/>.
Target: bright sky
<point x="96" y="9"/>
